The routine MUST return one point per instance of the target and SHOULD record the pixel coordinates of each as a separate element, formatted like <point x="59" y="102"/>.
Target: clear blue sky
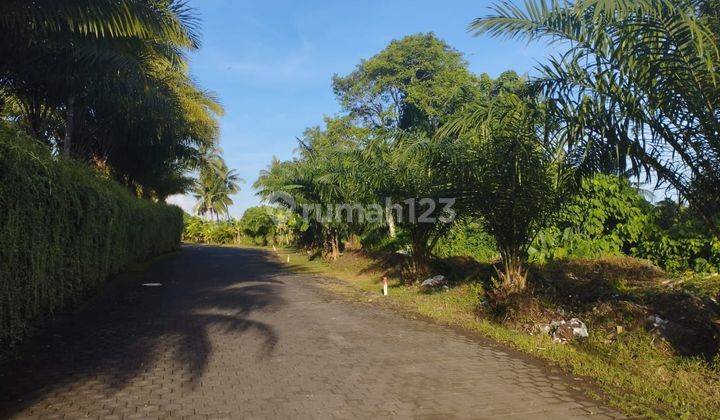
<point x="270" y="63"/>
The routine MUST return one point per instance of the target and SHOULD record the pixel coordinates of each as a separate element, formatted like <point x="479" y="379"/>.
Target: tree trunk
<point x="513" y="277"/>
<point x="69" y="124"/>
<point x="335" y="246"/>
<point x="390" y="222"/>
<point x="420" y="257"/>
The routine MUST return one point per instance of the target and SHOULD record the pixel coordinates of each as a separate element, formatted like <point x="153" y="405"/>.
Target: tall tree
<point x="405" y="93"/>
<point x="413" y="84"/>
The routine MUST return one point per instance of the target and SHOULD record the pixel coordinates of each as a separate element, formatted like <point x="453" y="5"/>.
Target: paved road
<point x="231" y="334"/>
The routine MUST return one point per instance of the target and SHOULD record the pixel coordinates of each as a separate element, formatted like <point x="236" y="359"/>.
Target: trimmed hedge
<point x="64" y="230"/>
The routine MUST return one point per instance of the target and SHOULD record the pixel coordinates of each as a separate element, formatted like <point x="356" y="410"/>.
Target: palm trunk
<point x="513" y="277"/>
<point x="390" y="222"/>
<point x="420" y="255"/>
<point x="335" y="245"/>
<point x="335" y="248"/>
<point x="69" y="123"/>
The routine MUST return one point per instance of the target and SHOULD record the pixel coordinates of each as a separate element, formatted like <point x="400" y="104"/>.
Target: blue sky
<point x="270" y="63"/>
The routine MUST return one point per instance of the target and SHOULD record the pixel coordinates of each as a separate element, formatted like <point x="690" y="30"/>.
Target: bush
<point x="609" y="217"/>
<point x="467" y="239"/>
<point x="259" y="226"/>
<point x="679" y="242"/>
<point x="64" y="230"/>
<point x="606" y="217"/>
<point x="198" y="230"/>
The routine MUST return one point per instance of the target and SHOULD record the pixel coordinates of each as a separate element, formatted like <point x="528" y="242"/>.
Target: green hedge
<point x="64" y="230"/>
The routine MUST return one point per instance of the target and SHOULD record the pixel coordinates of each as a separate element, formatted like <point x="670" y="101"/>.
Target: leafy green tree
<point x="258" y="224"/>
<point x="414" y="83"/>
<point x="404" y="94"/>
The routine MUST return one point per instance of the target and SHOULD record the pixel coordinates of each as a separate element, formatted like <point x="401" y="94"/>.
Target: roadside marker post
<point x="384" y="286"/>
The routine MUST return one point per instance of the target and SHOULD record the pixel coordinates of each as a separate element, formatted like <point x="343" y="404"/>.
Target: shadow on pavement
<point x="132" y="327"/>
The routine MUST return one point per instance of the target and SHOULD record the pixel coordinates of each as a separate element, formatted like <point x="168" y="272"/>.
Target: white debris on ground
<point x="432" y="282"/>
<point x="563" y="331"/>
<point x="658" y="322"/>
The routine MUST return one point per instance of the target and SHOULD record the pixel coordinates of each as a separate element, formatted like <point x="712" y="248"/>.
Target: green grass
<point x="635" y="374"/>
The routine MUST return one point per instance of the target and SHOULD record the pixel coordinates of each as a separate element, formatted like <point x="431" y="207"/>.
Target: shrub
<point x="198" y="230"/>
<point x="606" y="217"/>
<point x="258" y="224"/>
<point x="609" y="217"/>
<point x="678" y="241"/>
<point x="467" y="239"/>
<point x="64" y="230"/>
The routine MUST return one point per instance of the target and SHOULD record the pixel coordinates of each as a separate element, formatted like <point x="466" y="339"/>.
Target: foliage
<point x="214" y="186"/>
<point x="638" y="82"/>
<point x="467" y="239"/>
<point x="198" y="230"/>
<point x="64" y="230"/>
<point x="404" y="94"/>
<point x="107" y="82"/>
<point x="258" y="226"/>
<point x="323" y="176"/>
<point x="509" y="177"/>
<point x="606" y="216"/>
<point x="678" y="241"/>
<point x="257" y="223"/>
<point x="415" y="83"/>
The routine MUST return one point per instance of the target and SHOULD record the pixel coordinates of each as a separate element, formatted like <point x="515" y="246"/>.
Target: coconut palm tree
<point x="213" y="189"/>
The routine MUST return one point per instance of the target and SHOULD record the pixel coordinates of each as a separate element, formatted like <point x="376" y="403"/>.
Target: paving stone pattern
<point x="230" y="334"/>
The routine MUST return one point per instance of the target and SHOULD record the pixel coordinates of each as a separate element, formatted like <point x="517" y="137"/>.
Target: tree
<point x="508" y="175"/>
<point x="214" y="187"/>
<point x="257" y="223"/>
<point x="404" y="94"/>
<point x="324" y="175"/>
<point x="414" y="83"/>
<point x="107" y="82"/>
<point x="639" y="79"/>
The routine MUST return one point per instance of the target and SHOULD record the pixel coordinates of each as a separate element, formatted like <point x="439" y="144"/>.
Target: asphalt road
<point x="229" y="333"/>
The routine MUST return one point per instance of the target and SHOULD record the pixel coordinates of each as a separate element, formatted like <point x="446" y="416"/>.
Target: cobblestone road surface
<point x="230" y="334"/>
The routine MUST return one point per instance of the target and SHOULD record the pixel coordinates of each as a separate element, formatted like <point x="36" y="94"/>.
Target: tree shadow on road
<point x="207" y="295"/>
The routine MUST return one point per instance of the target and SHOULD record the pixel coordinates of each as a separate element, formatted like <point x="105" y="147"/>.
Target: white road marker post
<point x="274" y="249"/>
<point x="288" y="259"/>
<point x="384" y="286"/>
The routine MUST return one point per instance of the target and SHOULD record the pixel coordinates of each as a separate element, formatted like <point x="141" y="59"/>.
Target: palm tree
<point x="52" y="48"/>
<point x="638" y="79"/>
<point x="213" y="189"/>
<point x="107" y="82"/>
<point x="506" y="173"/>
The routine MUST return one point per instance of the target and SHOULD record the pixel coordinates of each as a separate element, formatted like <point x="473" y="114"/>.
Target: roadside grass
<point x="638" y="370"/>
